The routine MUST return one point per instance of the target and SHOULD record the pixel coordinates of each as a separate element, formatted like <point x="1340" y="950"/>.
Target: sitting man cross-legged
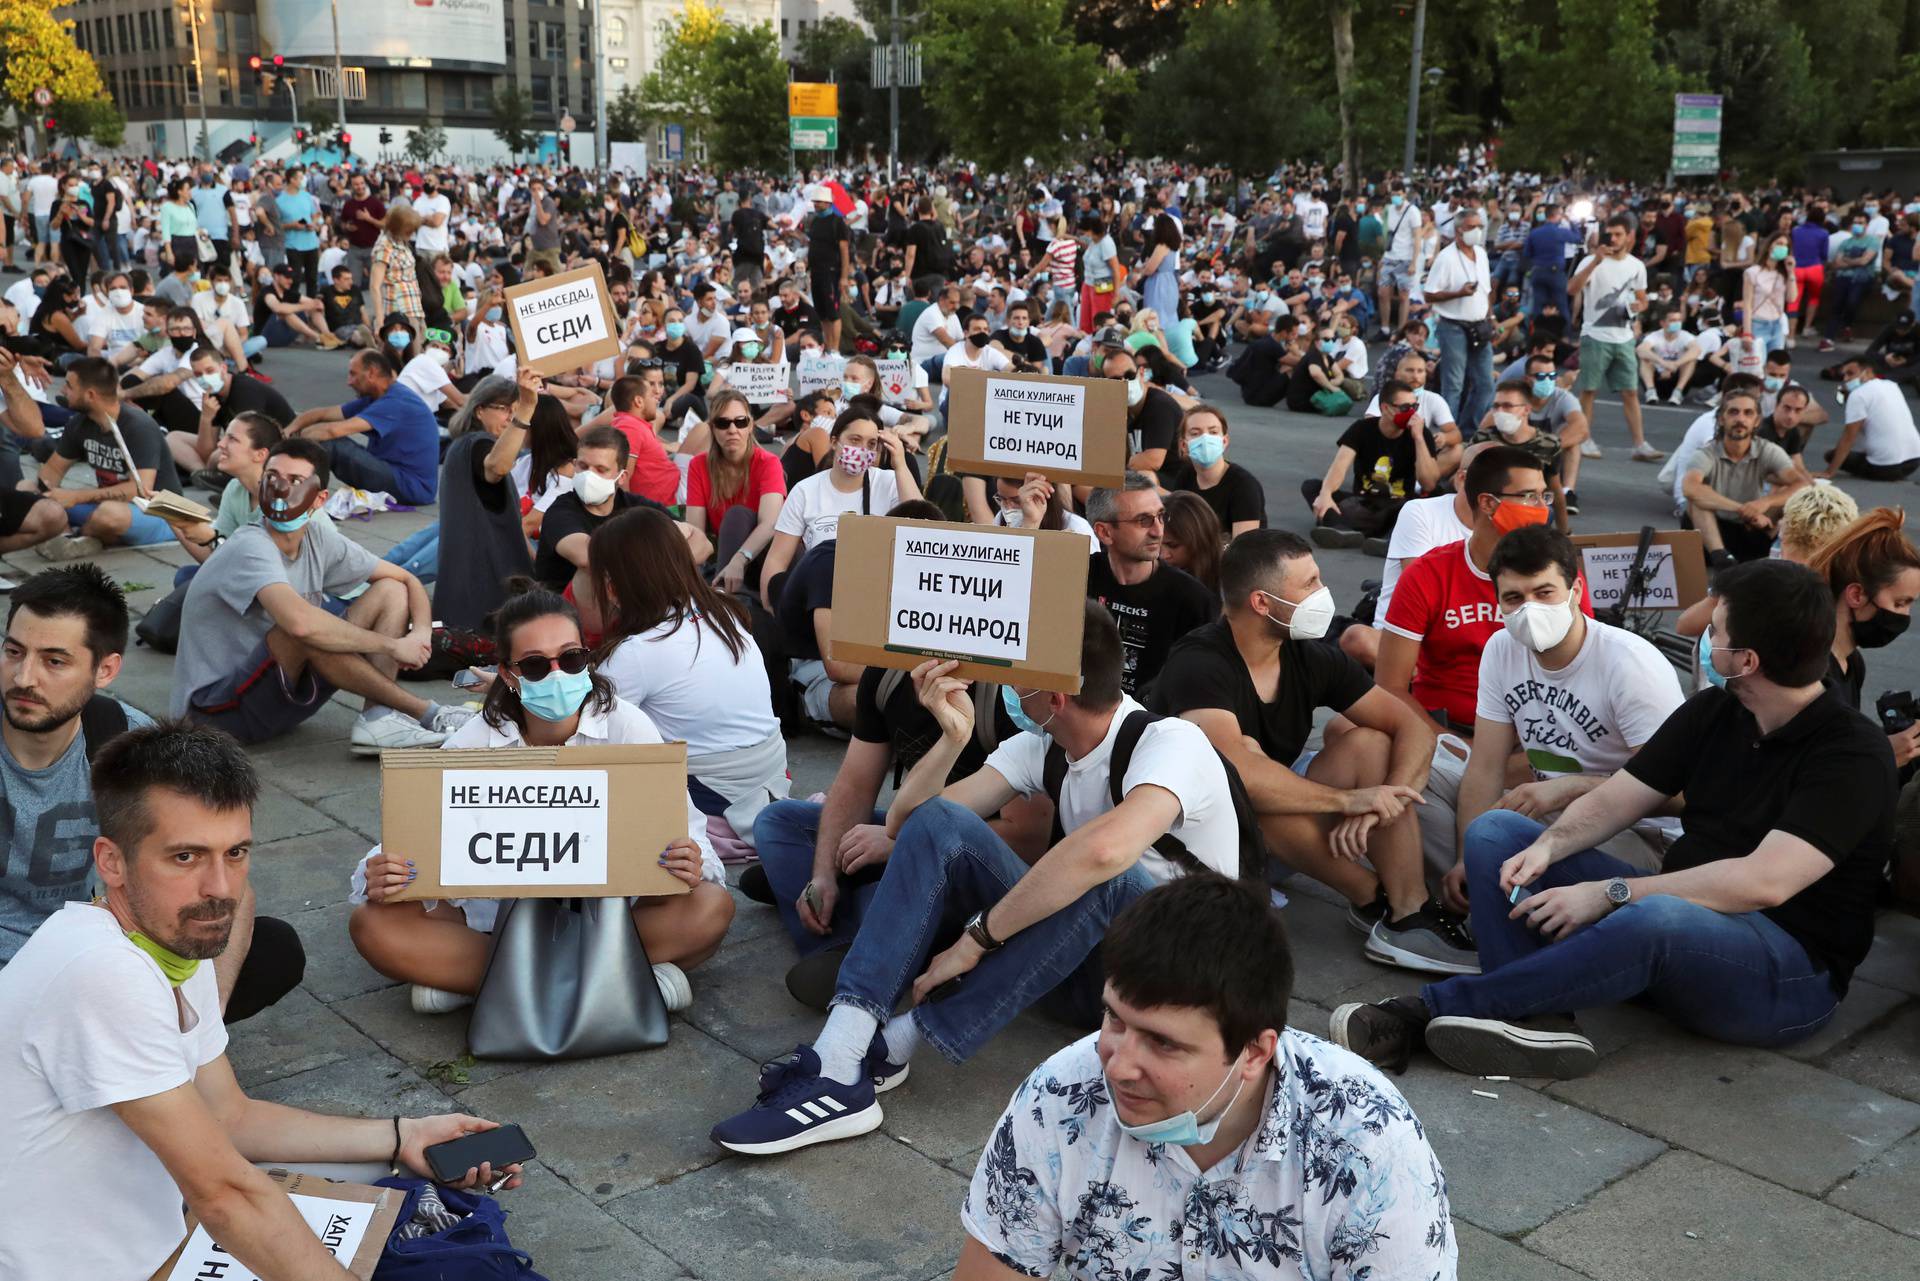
<point x="115" y="1089"/>
<point x="1760" y="913"/>
<point x="1117" y="1157"/>
<point x="1030" y="930"/>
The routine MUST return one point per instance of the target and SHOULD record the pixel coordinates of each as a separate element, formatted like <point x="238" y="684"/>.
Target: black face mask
<point x="1882" y="629"/>
<point x="180" y="343"/>
<point x="979" y="340"/>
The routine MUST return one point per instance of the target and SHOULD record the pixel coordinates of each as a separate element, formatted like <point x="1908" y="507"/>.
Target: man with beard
<point x="66" y="630"/>
<point x="115" y="1089"/>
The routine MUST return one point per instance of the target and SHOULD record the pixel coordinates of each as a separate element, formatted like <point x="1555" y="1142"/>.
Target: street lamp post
<point x="339" y="74"/>
<point x="1413" y="85"/>
<point x="192" y="12"/>
<point x="1434" y="76"/>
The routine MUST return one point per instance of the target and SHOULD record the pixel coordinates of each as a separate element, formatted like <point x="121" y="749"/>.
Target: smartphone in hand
<point x="501" y="1147"/>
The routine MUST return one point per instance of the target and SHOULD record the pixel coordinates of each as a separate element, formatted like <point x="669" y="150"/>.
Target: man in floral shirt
<point x="1117" y="1159"/>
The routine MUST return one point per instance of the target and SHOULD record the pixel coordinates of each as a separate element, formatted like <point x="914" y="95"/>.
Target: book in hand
<point x="174" y="509"/>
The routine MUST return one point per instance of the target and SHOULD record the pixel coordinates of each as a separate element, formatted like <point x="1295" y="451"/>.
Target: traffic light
<point x="386" y="135"/>
<point x="253" y="64"/>
<point x="53" y="125"/>
<point x="346" y="140"/>
<point x="267" y="79"/>
<point x="278" y="62"/>
<point x="566" y="147"/>
<point x="300" y="137"/>
<point x="253" y="140"/>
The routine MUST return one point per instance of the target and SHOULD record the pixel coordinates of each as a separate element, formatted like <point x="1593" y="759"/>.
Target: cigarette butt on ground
<point x="1486" y="1094"/>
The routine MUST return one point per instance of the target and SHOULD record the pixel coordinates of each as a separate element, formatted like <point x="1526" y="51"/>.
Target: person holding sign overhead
<point x="811" y="514"/>
<point x="546" y="695"/>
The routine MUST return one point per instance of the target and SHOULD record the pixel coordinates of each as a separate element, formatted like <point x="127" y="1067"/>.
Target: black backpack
<point x="1255" y="858"/>
<point x="102" y="719"/>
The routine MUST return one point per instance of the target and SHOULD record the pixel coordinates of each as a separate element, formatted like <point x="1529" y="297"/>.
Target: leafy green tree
<point x="838" y="50"/>
<point x="679" y="89"/>
<point x="93" y="118"/>
<point x="1180" y="109"/>
<point x="317" y="116"/>
<point x="626" y="118"/>
<point x="746" y="98"/>
<point x="426" y="142"/>
<point x="512" y="110"/>
<point x="1006" y="80"/>
<point x="1590" y="86"/>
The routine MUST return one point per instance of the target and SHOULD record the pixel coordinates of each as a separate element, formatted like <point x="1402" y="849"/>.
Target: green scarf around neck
<point x="178" y="969"/>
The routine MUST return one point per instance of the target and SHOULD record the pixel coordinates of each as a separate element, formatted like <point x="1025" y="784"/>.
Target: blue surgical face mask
<point x="676" y="329"/>
<point x="1205" y="451"/>
<point x="1023" y="722"/>
<point x="287" y="526"/>
<point x="1850" y="386"/>
<point x="849" y="388"/>
<point x="1185" y="1129"/>
<point x="398" y="340"/>
<point x="493" y="315"/>
<point x="1543" y="387"/>
<point x="558" y="696"/>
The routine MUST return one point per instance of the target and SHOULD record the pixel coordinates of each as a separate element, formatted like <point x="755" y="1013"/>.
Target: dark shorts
<point x="14" y="506"/>
<point x="826" y="297"/>
<point x="259" y="701"/>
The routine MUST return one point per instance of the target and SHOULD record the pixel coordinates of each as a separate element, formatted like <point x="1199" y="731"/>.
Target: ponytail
<point x="1873" y="551"/>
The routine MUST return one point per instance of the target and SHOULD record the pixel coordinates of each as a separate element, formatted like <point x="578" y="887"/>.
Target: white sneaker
<point x="1645" y="453"/>
<point x="448" y="719"/>
<point x="70" y="547"/>
<point x="382" y="733"/>
<point x="1674" y="398"/>
<point x="674" y="988"/>
<point x="431" y="1000"/>
<point x="1590" y="448"/>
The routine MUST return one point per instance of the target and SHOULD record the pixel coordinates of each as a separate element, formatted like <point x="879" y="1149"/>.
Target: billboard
<point x="457" y="35"/>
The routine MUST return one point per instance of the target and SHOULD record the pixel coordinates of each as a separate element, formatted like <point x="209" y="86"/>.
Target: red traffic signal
<point x="253" y="63"/>
<point x="300" y="136"/>
<point x="53" y="126"/>
<point x="277" y="60"/>
<point x="346" y="139"/>
<point x="253" y="139"/>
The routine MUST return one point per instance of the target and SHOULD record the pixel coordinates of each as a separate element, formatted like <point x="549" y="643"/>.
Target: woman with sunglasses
<point x="546" y="695"/>
<point x="734" y="492"/>
<point x="812" y="511"/>
<point x="683" y="653"/>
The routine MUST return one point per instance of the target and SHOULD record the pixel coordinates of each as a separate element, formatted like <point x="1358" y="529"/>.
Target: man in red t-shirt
<point x="1444" y="608"/>
<point x="636" y="404"/>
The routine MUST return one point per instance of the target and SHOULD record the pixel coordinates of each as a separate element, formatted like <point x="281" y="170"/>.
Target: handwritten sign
<point x="761" y="384"/>
<point x="819" y="373"/>
<point x="1070" y="430"/>
<point x="562" y="322"/>
<point x="896" y="381"/>
<point x="535" y="825"/>
<point x="965" y="594"/>
<point x="1676" y="568"/>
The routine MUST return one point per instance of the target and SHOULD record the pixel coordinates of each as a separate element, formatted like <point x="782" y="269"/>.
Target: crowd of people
<point x="1522" y="802"/>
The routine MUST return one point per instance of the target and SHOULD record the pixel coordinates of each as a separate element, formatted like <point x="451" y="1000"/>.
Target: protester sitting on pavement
<point x="869" y="476"/>
<point x="735" y="491"/>
<point x="66" y="632"/>
<point x="1736" y="485"/>
<point x="1232" y="491"/>
<point x="1869" y="566"/>
<point x="426" y="374"/>
<point x="1879" y="422"/>
<point x="1444" y="606"/>
<point x="104" y="514"/>
<point x="683" y="652"/>
<point x="1668" y="356"/>
<point x="561" y="561"/>
<point x="239" y="458"/>
<point x="285" y="316"/>
<point x="1153" y="416"/>
<point x="1390" y="459"/>
<point x="1034" y="502"/>
<point x="546" y="695"/>
<point x="480" y="509"/>
<point x="222" y="398"/>
<point x="1153" y="604"/>
<point x="1193" y="539"/>
<point x="1252" y="681"/>
<point x="1032" y="930"/>
<point x="1508" y="423"/>
<point x="1762" y="909"/>
<point x="115" y="1086"/>
<point x="1577" y="696"/>
<point x="1198" y="977"/>
<point x="402" y="456"/>
<point x="266" y="638"/>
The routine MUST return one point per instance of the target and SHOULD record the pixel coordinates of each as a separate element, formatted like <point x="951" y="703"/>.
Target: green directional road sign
<point x="1696" y="133"/>
<point x="813" y="133"/>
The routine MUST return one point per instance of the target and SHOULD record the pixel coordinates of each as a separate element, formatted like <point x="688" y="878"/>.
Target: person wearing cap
<point x="1105" y="339"/>
<point x="427" y="374"/>
<point x="286" y="316"/>
<point x="829" y="261"/>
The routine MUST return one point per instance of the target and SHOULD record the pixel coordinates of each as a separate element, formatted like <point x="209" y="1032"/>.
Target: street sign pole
<point x="1696" y="134"/>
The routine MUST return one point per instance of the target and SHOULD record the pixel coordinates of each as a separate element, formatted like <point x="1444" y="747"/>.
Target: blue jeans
<point x="1770" y="334"/>
<point x="354" y="464"/>
<point x="1548" y="286"/>
<point x="1466" y="376"/>
<point x="948" y="862"/>
<point x="785" y="835"/>
<point x="419" y="553"/>
<point x="142" y="531"/>
<point x="1732" y="976"/>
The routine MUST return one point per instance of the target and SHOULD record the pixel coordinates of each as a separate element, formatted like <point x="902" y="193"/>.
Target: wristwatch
<point x="977" y="931"/>
<point x="1619" y="892"/>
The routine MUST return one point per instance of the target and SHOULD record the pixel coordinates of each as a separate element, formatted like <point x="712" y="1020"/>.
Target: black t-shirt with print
<point x="1826" y="777"/>
<point x="1151" y="615"/>
<point x="85" y="441"/>
<point x="1205" y="670"/>
<point x="568" y="515"/>
<point x="1381" y="462"/>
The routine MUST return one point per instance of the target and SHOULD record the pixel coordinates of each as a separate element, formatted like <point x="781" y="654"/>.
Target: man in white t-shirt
<point x="41" y="189"/>
<point x="709" y="328"/>
<point x="938" y="327"/>
<point x="975" y="353"/>
<point x="1401" y="218"/>
<point x="1668" y="357"/>
<point x="115" y="1089"/>
<point x="434" y="209"/>
<point x="1879" y="421"/>
<point x="1612" y="286"/>
<point x="1033" y="931"/>
<point x="1458" y="287"/>
<point x="9" y="209"/>
<point x="1576" y="695"/>
<point x="427" y="373"/>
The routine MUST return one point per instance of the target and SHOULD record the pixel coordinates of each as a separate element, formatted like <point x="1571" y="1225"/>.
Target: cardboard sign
<point x="1676" y="568"/>
<point x="353" y="1220"/>
<point x="1072" y="430"/>
<point x="1008" y="603"/>
<point x="761" y="384"/>
<point x="562" y="322"/>
<point x="820" y="373"/>
<point x="535" y="822"/>
<point x="896" y="381"/>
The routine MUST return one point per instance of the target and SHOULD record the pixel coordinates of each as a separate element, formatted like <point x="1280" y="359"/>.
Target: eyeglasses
<point x="535" y="667"/>
<point x="1145" y="520"/>
<point x="1129" y="376"/>
<point x="1529" y="498"/>
<point x="732" y="424"/>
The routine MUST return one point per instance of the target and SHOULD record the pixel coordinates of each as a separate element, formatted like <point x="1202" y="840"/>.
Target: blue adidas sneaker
<point x="798" y="1108"/>
<point x="885" y="1075"/>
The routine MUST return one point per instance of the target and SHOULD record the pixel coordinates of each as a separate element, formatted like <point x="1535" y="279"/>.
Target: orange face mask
<point x="1508" y="517"/>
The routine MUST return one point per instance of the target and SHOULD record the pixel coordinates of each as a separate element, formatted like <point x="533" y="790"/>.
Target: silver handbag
<point x="566" y="979"/>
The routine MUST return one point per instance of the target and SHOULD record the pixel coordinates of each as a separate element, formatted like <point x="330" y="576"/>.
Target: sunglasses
<point x="733" y="424"/>
<point x="535" y="667"/>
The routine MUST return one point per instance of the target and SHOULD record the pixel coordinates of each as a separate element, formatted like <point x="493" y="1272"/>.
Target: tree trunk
<point x="1342" y="13"/>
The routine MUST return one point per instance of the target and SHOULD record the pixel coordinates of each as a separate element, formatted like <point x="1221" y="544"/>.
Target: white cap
<point x="744" y="334"/>
<point x="817" y="193"/>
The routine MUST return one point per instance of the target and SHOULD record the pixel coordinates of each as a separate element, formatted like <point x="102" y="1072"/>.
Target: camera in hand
<point x="1898" y="710"/>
